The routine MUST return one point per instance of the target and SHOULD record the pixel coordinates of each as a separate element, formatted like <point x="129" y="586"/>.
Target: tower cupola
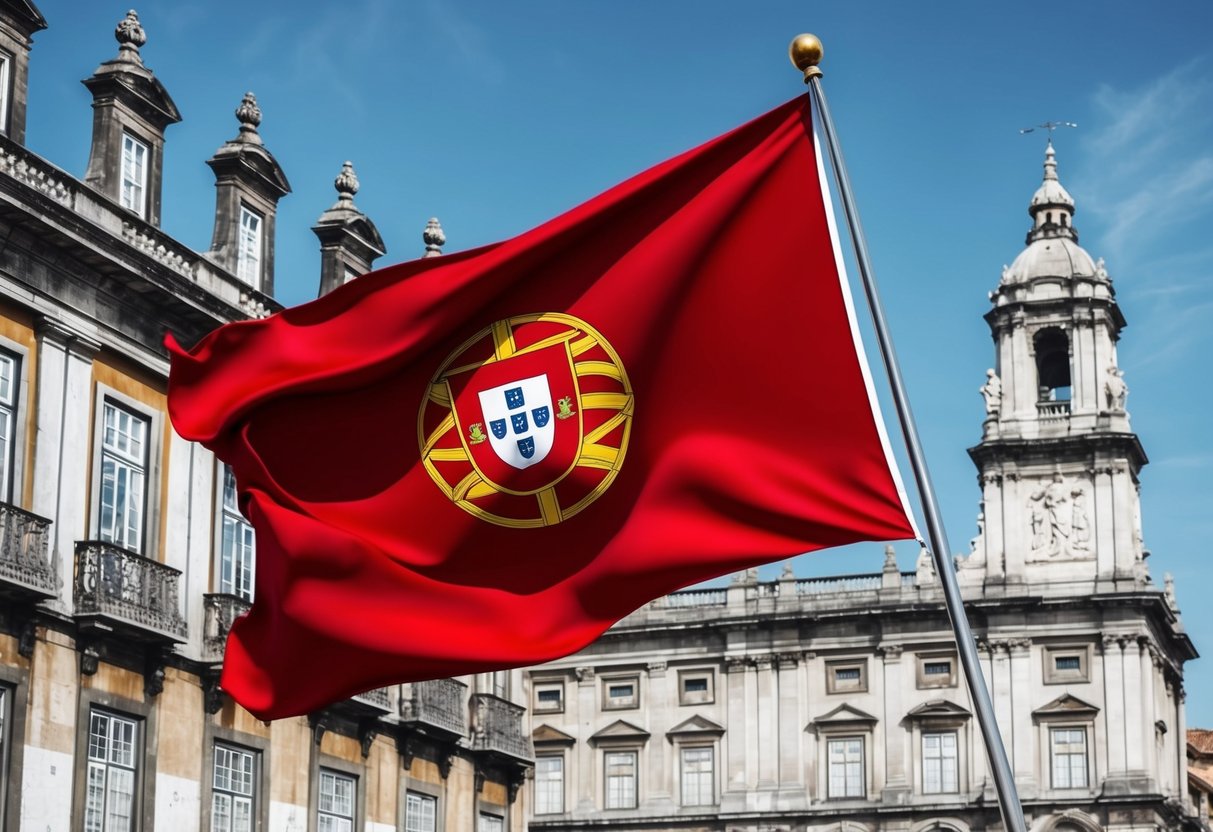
<point x="1052" y="207"/>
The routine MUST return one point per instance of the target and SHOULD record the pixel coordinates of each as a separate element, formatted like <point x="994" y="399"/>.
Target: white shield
<point x="519" y="420"/>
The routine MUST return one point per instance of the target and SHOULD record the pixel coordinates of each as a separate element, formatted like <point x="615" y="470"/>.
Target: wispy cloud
<point x="1146" y="179"/>
<point x="473" y="42"/>
<point x="1148" y="160"/>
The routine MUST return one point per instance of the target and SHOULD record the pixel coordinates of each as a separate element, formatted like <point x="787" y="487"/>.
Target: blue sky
<point x="495" y="116"/>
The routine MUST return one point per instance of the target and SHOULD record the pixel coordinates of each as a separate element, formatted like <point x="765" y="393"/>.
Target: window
<point x="620" y="693"/>
<point x="6" y="63"/>
<point x="236" y="557"/>
<point x="1064" y="665"/>
<point x="335" y="810"/>
<point x="490" y="823"/>
<point x="940" y="773"/>
<point x="9" y="380"/>
<point x="846" y="777"/>
<point x="501" y="684"/>
<point x="134" y="174"/>
<point x="620" y="779"/>
<point x="112" y="774"/>
<point x="936" y="671"/>
<point x="123" y="477"/>
<point x="697" y="777"/>
<point x="248" y="251"/>
<point x="549" y="698"/>
<point x="549" y="784"/>
<point x="233" y="789"/>
<point x="420" y="812"/>
<point x="695" y="687"/>
<point x="846" y="677"/>
<point x="1068" y="747"/>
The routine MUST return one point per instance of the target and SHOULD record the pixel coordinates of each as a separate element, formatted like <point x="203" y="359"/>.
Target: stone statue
<point x="1116" y="390"/>
<point x="1052" y="519"/>
<point x="1006" y="274"/>
<point x="1081" y="523"/>
<point x="991" y="391"/>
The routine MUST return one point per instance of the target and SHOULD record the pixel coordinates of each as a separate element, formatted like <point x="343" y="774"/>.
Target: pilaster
<point x="896" y="740"/>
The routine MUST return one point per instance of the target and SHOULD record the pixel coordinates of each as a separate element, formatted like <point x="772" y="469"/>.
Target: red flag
<point x="485" y="459"/>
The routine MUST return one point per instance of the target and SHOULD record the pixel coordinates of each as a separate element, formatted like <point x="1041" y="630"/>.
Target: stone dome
<point x="1051" y="257"/>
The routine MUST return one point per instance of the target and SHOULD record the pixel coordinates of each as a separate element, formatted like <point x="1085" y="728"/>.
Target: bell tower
<point x="1058" y="462"/>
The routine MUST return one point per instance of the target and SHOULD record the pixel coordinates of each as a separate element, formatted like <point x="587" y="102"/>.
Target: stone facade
<point x="122" y="565"/>
<point x="838" y="703"/>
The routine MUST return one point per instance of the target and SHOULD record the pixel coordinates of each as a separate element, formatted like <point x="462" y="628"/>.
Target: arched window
<point x="1053" y="364"/>
<point x="1048" y="217"/>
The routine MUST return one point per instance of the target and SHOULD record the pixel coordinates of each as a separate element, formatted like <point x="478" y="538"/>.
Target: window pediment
<point x="1065" y="706"/>
<point x="844" y="716"/>
<point x="620" y="731"/>
<point x="548" y="736"/>
<point x="696" y="726"/>
<point x="937" y="709"/>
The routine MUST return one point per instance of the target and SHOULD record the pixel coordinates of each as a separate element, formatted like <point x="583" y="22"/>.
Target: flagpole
<point x="806" y="51"/>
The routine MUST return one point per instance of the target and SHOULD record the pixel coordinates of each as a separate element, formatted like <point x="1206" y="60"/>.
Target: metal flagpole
<point x="806" y="53"/>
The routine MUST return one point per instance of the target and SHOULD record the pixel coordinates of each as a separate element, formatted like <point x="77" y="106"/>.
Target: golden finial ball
<point x="805" y="51"/>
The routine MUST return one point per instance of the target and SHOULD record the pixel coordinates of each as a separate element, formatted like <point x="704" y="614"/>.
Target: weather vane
<point x="1048" y="125"/>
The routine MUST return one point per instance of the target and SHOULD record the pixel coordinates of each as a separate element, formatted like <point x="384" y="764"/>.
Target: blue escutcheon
<point x="526" y="447"/>
<point x="513" y="398"/>
<point x="497" y="426"/>
<point x="519" y="421"/>
<point x="541" y="415"/>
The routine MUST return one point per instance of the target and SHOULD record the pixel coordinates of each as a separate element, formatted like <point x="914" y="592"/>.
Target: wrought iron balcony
<point x="497" y="729"/>
<point x="220" y="611"/>
<point x="25" y="569"/>
<point x="438" y="707"/>
<point x="376" y="699"/>
<point x="116" y="588"/>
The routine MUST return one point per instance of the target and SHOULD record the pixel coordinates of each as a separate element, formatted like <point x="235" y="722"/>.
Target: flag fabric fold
<point x="485" y="459"/>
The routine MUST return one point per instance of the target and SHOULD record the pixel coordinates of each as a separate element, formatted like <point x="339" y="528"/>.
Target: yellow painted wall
<point x="53" y="694"/>
<point x="116" y="680"/>
<point x="179" y="748"/>
<point x="16" y="324"/>
<point x="382" y="774"/>
<point x="232" y="716"/>
<point x="290" y="761"/>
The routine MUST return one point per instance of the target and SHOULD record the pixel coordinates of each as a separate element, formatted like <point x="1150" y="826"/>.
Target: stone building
<point x="1200" y="773"/>
<point x="837" y="703"/>
<point x="123" y="559"/>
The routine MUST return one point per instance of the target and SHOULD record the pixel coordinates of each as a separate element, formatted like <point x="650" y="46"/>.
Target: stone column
<point x="1103" y="507"/>
<point x="791" y="772"/>
<point x="1017" y="530"/>
<point x="587" y="706"/>
<point x="1135" y="734"/>
<point x="1022" y="757"/>
<point x="1000" y="690"/>
<point x="767" y="716"/>
<point x="1181" y="753"/>
<point x="896" y="740"/>
<point x="736" y="738"/>
<point x="660" y="705"/>
<point x="62" y="467"/>
<point x="1114" y="705"/>
<point x="994" y="531"/>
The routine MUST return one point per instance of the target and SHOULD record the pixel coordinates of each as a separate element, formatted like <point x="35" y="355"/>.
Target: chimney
<point x="18" y="22"/>
<point x="248" y="184"/>
<point x="349" y="241"/>
<point x="131" y="109"/>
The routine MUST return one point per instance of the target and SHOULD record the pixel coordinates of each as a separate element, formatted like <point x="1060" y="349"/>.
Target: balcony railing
<point x="379" y="699"/>
<point x="1053" y="411"/>
<point x="438" y="705"/>
<point x="842" y="583"/>
<point x="25" y="569"/>
<point x="694" y="598"/>
<point x="497" y="728"/>
<point x="128" y="590"/>
<point x="220" y="611"/>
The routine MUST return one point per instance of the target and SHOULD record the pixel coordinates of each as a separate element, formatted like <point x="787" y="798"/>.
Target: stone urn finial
<point x="249" y="116"/>
<point x="434" y="238"/>
<point x="130" y="35"/>
<point x="346" y="183"/>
